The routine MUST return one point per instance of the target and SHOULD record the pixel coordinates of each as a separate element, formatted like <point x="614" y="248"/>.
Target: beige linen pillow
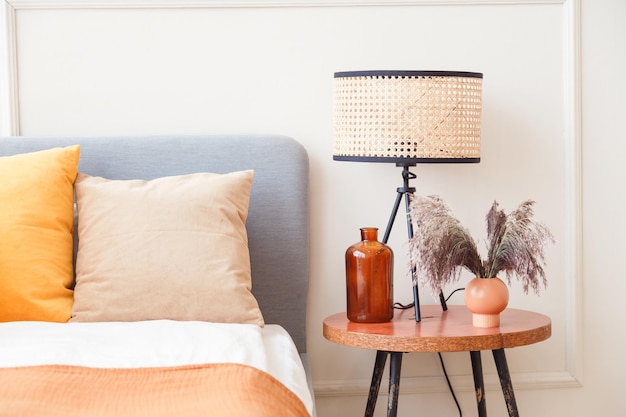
<point x="170" y="248"/>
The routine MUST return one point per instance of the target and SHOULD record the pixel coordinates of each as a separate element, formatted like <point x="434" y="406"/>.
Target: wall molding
<point x="573" y="375"/>
<point x="9" y="106"/>
<point x="436" y="384"/>
<point x="119" y="4"/>
<point x="573" y="134"/>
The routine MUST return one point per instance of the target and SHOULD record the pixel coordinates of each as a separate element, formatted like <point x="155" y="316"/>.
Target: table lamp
<point x="406" y="118"/>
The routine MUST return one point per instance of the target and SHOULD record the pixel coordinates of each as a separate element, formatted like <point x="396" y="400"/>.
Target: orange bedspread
<point x="221" y="390"/>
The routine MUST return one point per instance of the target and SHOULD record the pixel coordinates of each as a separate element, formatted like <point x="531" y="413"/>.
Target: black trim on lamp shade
<point x="406" y="161"/>
<point x="384" y="73"/>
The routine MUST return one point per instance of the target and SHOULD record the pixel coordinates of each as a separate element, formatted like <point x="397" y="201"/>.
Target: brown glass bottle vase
<point x="369" y="279"/>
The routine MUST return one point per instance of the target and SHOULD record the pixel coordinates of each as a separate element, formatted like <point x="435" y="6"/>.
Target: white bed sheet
<point x="155" y="343"/>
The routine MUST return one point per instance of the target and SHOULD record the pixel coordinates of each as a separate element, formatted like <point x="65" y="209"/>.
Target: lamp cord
<point x="445" y="374"/>
<point x="400" y="306"/>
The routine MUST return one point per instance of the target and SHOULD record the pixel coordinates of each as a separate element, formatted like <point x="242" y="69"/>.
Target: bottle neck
<point x="369" y="233"/>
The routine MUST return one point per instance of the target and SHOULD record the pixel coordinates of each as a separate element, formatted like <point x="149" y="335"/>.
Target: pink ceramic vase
<point x="486" y="298"/>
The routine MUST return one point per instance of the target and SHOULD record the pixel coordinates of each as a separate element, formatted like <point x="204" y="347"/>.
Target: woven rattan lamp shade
<point x="407" y="116"/>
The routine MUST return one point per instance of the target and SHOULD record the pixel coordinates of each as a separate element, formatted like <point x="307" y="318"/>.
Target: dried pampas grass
<point x="441" y="246"/>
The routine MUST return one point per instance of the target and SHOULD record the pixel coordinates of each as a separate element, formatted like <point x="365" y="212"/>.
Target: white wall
<point x="551" y="104"/>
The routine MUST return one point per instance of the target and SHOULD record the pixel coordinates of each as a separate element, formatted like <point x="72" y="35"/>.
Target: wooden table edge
<point x="443" y="343"/>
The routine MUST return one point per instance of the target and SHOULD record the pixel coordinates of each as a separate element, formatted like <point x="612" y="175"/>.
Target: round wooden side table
<point x="439" y="331"/>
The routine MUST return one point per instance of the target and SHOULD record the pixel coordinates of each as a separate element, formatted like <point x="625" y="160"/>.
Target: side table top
<point x="439" y="331"/>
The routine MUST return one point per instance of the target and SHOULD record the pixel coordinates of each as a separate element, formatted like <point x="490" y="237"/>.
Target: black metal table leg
<point x="505" y="381"/>
<point x="379" y="367"/>
<point x="477" y="370"/>
<point x="395" y="366"/>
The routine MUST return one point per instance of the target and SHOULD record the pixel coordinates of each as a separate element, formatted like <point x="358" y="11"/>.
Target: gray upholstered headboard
<point x="278" y="220"/>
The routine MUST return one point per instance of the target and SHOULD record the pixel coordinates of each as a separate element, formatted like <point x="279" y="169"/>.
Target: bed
<point x="154" y="276"/>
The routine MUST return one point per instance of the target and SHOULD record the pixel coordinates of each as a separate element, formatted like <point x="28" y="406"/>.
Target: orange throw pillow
<point x="36" y="226"/>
